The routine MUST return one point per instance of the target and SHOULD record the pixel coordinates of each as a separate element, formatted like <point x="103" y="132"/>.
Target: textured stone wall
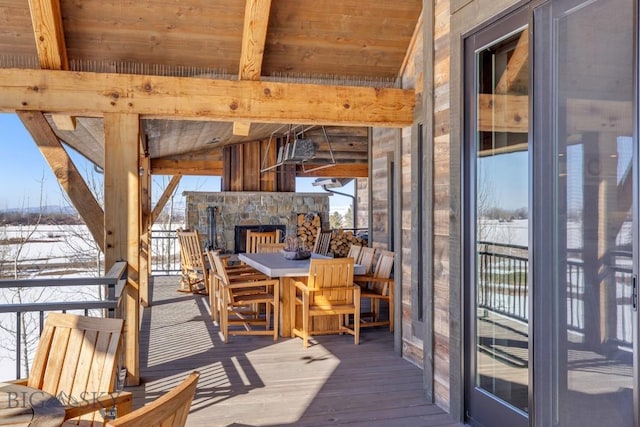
<point x="249" y="208"/>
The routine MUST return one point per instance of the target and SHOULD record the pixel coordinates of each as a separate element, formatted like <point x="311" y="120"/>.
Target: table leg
<point x="285" y="318"/>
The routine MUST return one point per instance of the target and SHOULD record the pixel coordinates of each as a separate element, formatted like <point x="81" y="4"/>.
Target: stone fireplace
<point x="246" y="208"/>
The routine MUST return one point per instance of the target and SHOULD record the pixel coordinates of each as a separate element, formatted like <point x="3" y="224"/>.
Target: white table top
<point x="276" y="265"/>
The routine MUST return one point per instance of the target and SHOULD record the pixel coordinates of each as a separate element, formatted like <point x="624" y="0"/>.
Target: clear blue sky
<point x="24" y="173"/>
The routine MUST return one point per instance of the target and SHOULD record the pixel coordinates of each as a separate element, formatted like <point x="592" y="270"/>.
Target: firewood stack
<point x="341" y="241"/>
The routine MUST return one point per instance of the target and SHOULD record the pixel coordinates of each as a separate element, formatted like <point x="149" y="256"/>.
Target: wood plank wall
<point x="441" y="202"/>
<point x="242" y="164"/>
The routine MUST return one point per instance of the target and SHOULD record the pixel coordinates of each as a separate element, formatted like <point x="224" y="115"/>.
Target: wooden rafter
<point x="254" y="35"/>
<point x="64" y="169"/>
<point x="52" y="51"/>
<point x="203" y="99"/>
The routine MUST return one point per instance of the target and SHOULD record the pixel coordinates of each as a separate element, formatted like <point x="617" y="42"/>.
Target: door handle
<point x="634" y="292"/>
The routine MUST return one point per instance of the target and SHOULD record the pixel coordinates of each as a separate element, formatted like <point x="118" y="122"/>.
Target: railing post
<point x="18" y="345"/>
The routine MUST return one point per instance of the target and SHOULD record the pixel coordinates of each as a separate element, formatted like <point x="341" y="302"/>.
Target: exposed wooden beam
<point x="519" y="58"/>
<point x="503" y="113"/>
<point x="358" y="170"/>
<point x="203" y="99"/>
<point x="49" y="34"/>
<point x="65" y="171"/>
<point x="52" y="52"/>
<point x="241" y="128"/>
<point x="166" y="194"/>
<point x="186" y="167"/>
<point x="145" y="226"/>
<point x="254" y="36"/>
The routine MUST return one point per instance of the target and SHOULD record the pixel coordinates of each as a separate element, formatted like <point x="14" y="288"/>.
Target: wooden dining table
<point x="275" y="265"/>
<point x="26" y="406"/>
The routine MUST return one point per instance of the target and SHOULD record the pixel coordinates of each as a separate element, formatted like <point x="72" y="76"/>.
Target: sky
<point x="25" y="174"/>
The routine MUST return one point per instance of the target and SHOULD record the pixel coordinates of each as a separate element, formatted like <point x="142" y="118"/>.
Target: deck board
<point x="254" y="381"/>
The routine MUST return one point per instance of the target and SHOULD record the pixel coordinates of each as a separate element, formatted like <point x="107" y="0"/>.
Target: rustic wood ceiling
<point x="351" y="43"/>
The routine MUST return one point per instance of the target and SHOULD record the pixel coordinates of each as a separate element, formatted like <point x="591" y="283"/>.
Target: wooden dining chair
<point x="194" y="268"/>
<point x="328" y="291"/>
<point x="77" y="357"/>
<point x="237" y="272"/>
<point x="254" y="238"/>
<point x="239" y="302"/>
<point x="169" y="410"/>
<point x="269" y="247"/>
<point x="322" y="244"/>
<point x="378" y="286"/>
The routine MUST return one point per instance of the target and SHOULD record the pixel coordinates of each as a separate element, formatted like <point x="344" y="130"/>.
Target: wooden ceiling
<point x="311" y="62"/>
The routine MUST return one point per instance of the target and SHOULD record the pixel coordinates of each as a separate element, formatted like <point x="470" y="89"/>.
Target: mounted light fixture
<point x="297" y="149"/>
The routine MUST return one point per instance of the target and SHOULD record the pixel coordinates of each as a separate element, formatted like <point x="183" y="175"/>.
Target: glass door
<point x="497" y="231"/>
<point x="585" y="181"/>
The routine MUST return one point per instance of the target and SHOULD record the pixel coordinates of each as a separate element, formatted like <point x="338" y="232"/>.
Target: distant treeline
<point x="32" y="218"/>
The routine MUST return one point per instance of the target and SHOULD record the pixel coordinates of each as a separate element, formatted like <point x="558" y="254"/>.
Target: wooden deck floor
<point x="254" y="381"/>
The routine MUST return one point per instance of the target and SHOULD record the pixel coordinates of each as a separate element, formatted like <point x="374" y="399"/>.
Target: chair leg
<point x="356" y="321"/>
<point x="305" y="321"/>
<point x="391" y="310"/>
<point x="276" y="311"/>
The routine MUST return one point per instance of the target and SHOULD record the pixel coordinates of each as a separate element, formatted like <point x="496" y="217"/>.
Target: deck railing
<point x="503" y="273"/>
<point x="107" y="292"/>
<point x="165" y="253"/>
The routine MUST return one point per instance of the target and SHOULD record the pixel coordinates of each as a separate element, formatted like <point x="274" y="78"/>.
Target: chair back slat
<point x="269" y="247"/>
<point x="254" y="238"/>
<point x="323" y="242"/>
<point x="383" y="269"/>
<point x="366" y="258"/>
<point x="354" y="252"/>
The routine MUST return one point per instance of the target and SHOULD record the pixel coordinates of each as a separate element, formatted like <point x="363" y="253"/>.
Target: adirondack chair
<point x="354" y="252"/>
<point x="378" y="286"/>
<point x="328" y="291"/>
<point x="254" y="238"/>
<point x="169" y="410"/>
<point x="322" y="243"/>
<point x="238" y="300"/>
<point x="77" y="357"/>
<point x="195" y="277"/>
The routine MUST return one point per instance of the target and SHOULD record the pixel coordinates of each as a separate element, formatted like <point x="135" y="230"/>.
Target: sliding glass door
<point x="584" y="111"/>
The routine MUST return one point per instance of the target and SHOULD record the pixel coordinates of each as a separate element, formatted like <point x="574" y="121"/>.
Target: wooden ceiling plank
<point x="68" y="176"/>
<point x="166" y="194"/>
<point x="204" y="99"/>
<point x="254" y="35"/>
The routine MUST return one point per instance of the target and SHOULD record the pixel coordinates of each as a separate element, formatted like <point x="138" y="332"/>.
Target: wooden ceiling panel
<point x="16" y="30"/>
<point x="197" y="34"/>
<point x="350" y="38"/>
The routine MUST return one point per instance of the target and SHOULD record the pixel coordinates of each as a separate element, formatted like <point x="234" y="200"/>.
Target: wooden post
<point x="145" y="229"/>
<point x="122" y="222"/>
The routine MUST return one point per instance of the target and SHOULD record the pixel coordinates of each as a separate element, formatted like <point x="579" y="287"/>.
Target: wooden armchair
<point x="378" y="286"/>
<point x="323" y="242"/>
<point x="354" y="252"/>
<point x="328" y="291"/>
<point x="195" y="277"/>
<point x="77" y="357"/>
<point x="239" y="300"/>
<point x="238" y="272"/>
<point x="254" y="238"/>
<point x="169" y="410"/>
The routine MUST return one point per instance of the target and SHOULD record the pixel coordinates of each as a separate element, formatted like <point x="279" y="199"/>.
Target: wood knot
<point x="346" y="106"/>
<point x="233" y="106"/>
<point x="267" y="91"/>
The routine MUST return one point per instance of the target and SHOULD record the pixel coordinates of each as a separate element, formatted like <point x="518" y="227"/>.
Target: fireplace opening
<point x="240" y="234"/>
